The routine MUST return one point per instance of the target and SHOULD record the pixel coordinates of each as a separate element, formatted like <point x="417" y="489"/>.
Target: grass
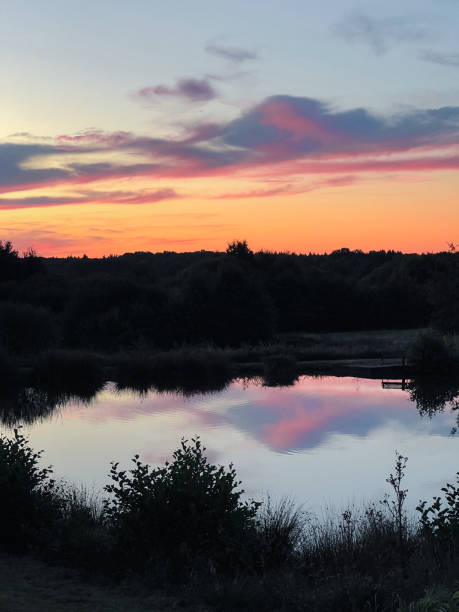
<point x="330" y="346"/>
<point x="379" y="344"/>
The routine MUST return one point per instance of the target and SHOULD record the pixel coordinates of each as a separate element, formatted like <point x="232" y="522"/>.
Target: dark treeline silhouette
<point x="165" y="300"/>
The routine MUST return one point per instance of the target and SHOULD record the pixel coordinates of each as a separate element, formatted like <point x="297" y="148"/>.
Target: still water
<point x="323" y="441"/>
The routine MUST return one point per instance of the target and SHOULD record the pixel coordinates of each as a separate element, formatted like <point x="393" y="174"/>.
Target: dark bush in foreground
<point x="27" y="501"/>
<point x="185" y="510"/>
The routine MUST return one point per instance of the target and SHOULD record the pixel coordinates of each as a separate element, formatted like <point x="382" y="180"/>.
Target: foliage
<point x="27" y="502"/>
<point x="186" y="509"/>
<point x="435" y="600"/>
<point x="442" y="516"/>
<point x="144" y="301"/>
<point x="186" y="522"/>
<point x="434" y="393"/>
<point x="239" y="248"/>
<point x="432" y="354"/>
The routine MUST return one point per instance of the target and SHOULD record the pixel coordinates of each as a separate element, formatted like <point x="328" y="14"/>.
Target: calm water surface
<point x="323" y="441"/>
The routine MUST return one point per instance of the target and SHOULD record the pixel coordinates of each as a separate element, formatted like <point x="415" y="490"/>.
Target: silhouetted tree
<point x="240" y="249"/>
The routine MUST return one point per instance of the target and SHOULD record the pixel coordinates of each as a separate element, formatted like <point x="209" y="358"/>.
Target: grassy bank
<point x="70" y="369"/>
<point x="186" y="527"/>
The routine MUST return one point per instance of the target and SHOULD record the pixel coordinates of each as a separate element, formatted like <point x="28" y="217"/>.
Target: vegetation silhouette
<point x="27" y="405"/>
<point x="185" y="523"/>
<point x="185" y="371"/>
<point x="435" y="384"/>
<point x="162" y="301"/>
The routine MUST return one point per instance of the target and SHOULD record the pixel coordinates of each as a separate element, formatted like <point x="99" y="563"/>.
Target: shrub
<point x="442" y="516"/>
<point x="27" y="502"/>
<point x="184" y="510"/>
<point x="431" y="353"/>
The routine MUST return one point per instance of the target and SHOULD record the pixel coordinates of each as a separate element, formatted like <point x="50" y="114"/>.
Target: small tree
<point x="239" y="248"/>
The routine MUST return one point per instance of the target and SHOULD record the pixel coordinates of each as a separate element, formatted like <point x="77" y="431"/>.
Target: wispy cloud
<point x="236" y="55"/>
<point x="445" y="59"/>
<point x="192" y="90"/>
<point x="291" y="189"/>
<point x="378" y="34"/>
<point x="90" y="197"/>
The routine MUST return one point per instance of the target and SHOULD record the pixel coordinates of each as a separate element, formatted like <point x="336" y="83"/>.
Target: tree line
<point x="164" y="300"/>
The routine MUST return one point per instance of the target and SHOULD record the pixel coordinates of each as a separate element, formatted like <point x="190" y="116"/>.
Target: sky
<point x="295" y="125"/>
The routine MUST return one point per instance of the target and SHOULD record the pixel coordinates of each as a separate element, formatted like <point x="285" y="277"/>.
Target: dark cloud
<point x="193" y="90"/>
<point x="13" y="157"/>
<point x="295" y="126"/>
<point x="444" y="59"/>
<point x="236" y="55"/>
<point x="378" y="34"/>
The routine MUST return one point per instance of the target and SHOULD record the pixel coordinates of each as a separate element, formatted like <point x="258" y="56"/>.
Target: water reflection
<point x="21" y="406"/>
<point x="320" y="438"/>
<point x="284" y="420"/>
<point x="433" y="395"/>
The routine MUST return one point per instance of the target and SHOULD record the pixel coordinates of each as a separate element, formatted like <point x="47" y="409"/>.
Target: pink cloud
<point x="299" y="139"/>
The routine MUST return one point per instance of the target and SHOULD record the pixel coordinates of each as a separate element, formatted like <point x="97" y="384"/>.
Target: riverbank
<point x="372" y="354"/>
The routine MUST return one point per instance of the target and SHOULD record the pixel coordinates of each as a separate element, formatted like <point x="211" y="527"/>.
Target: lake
<point x="324" y="441"/>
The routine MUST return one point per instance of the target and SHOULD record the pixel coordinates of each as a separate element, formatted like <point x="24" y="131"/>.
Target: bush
<point x="185" y="510"/>
<point x="434" y="354"/>
<point x="27" y="503"/>
<point x="441" y="518"/>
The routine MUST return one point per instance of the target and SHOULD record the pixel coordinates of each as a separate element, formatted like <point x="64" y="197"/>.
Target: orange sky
<point x="415" y="213"/>
<point x="126" y="128"/>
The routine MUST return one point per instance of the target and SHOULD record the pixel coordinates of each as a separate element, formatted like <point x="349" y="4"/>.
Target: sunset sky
<point x="297" y="125"/>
